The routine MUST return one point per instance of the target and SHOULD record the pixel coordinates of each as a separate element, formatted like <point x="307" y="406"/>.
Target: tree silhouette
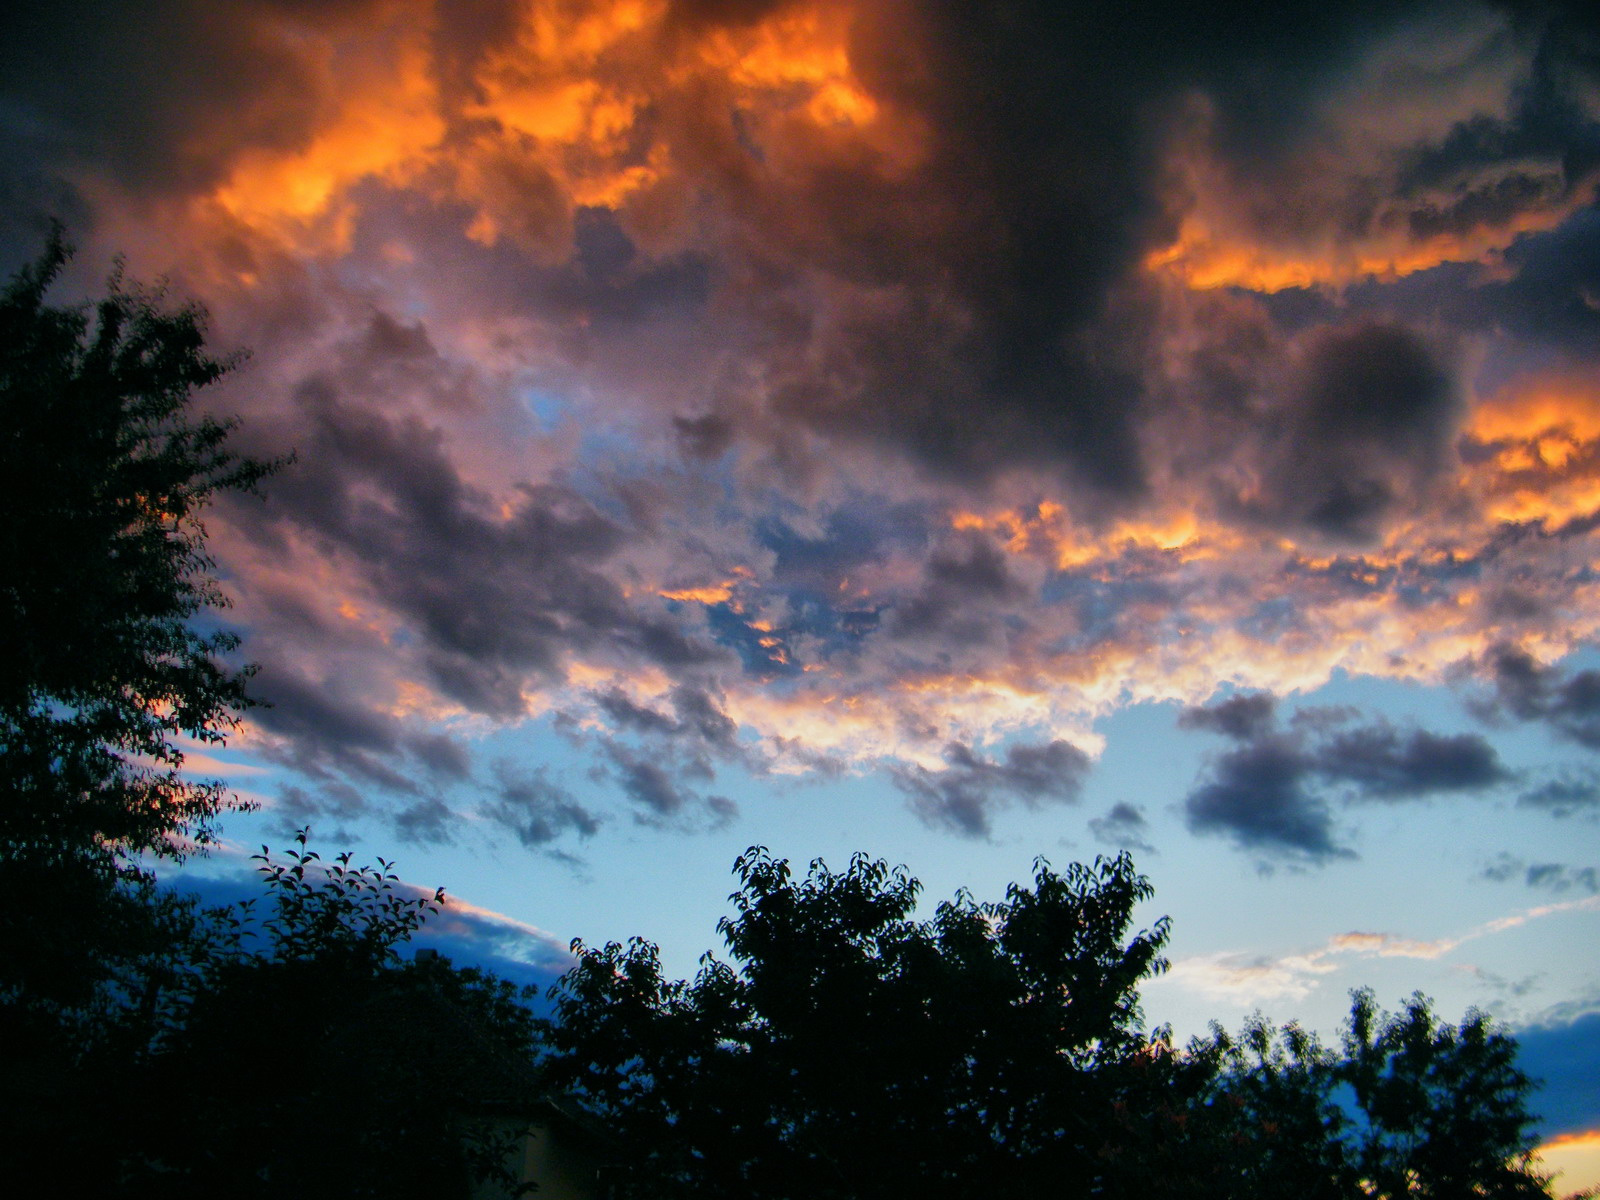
<point x="104" y="474"/>
<point x="293" y="1050"/>
<point x="856" y="1050"/>
<point x="318" y="1062"/>
<point x="851" y="1050"/>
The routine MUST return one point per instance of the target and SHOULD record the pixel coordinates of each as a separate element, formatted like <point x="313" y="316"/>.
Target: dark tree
<point x="105" y="472"/>
<point x="1406" y="1107"/>
<point x="858" y="1052"/>
<point x="295" y="1052"/>
<point x="851" y="1050"/>
<point x="1439" y="1111"/>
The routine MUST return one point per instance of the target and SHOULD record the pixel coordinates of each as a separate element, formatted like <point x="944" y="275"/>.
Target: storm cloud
<point x="846" y="384"/>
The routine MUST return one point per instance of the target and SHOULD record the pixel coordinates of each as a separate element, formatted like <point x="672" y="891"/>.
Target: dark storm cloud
<point x="1034" y="221"/>
<point x="534" y="808"/>
<point x="970" y="307"/>
<point x="1569" y="704"/>
<point x="1272" y="791"/>
<point x="1542" y="297"/>
<point x="1012" y="242"/>
<point x="975" y="325"/>
<point x="1368" y="424"/>
<point x="466" y="935"/>
<point x="161" y="94"/>
<point x="964" y="794"/>
<point x="1565" y="1055"/>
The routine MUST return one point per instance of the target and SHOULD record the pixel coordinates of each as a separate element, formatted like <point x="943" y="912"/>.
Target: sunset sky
<point x="959" y="432"/>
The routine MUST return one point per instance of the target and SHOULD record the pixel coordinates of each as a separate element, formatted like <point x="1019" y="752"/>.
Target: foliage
<point x="1405" y="1106"/>
<point x="294" y="1049"/>
<point x="851" y="1050"/>
<point x="1439" y="1110"/>
<point x="855" y="1047"/>
<point x="356" y="916"/>
<point x="105" y="473"/>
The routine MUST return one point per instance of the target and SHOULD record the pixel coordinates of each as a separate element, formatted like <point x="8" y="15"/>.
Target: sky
<point x="959" y="433"/>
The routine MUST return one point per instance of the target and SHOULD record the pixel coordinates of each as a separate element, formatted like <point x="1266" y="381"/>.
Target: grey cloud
<point x="1260" y="796"/>
<point x="534" y="808"/>
<point x="1272" y="790"/>
<point x="652" y="754"/>
<point x="648" y="783"/>
<point x="657" y="789"/>
<point x="1123" y="824"/>
<point x="440" y="753"/>
<point x="1568" y="703"/>
<point x="296" y="808"/>
<point x="428" y="821"/>
<point x="1572" y="793"/>
<point x="1386" y="764"/>
<point x="330" y="731"/>
<point x="966" y="586"/>
<point x="858" y="532"/>
<point x="1243" y="717"/>
<point x="697" y="719"/>
<point x="1558" y="878"/>
<point x="496" y="600"/>
<point x="964" y="794"/>
<point x="639" y="718"/>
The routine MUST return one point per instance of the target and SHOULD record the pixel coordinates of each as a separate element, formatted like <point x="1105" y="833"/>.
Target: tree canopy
<point x="856" y="1048"/>
<point x="849" y="1049"/>
<point x="106" y="470"/>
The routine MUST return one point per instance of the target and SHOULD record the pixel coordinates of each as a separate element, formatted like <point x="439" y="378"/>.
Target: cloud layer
<point x="819" y="386"/>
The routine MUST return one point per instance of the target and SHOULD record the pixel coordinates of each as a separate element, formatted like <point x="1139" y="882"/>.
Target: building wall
<point x="543" y="1156"/>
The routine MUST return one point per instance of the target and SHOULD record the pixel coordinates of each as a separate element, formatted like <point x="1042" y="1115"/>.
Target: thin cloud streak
<point x="1236" y="977"/>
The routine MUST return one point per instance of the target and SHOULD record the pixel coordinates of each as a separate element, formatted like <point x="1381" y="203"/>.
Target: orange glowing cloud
<point x="384" y="123"/>
<point x="718" y="593"/>
<point x="1338" y="207"/>
<point x="595" y="104"/>
<point x="1049" y="531"/>
<point x="1215" y="250"/>
<point x="1541" y="441"/>
<point x="1574" y="1158"/>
